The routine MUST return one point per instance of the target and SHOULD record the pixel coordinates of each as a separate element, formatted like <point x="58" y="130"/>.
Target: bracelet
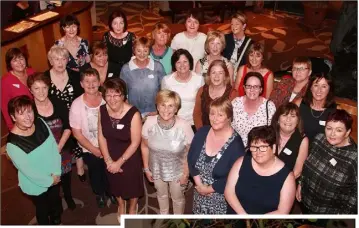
<point x="145" y="170"/>
<point x="123" y="159"/>
<point x="108" y="159"/>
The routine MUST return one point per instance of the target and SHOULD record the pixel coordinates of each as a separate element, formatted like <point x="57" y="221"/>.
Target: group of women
<point x="195" y="111"/>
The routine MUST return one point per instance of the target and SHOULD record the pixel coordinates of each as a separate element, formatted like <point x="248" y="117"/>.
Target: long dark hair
<point x="308" y="96"/>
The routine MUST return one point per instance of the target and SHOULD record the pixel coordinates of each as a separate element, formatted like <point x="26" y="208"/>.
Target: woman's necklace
<point x="166" y="126"/>
<point x="311" y="111"/>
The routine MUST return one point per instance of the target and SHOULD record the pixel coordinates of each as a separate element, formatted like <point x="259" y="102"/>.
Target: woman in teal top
<point x="159" y="50"/>
<point x="33" y="151"/>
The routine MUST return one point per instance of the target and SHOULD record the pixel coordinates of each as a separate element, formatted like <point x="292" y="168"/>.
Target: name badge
<point x="110" y="75"/>
<point x="16" y="85"/>
<point x="287" y="151"/>
<point x="151" y="76"/>
<point x="333" y="162"/>
<point x="322" y="122"/>
<point x="119" y="126"/>
<point x="71" y="89"/>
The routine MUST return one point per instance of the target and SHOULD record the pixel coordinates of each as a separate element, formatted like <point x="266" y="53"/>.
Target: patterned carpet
<point x="284" y="36"/>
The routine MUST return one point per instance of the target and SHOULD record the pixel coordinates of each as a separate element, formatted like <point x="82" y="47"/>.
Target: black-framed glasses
<point x="255" y="87"/>
<point x="261" y="148"/>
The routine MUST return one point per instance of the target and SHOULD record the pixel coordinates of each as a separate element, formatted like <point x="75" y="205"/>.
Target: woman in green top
<point x="30" y="144"/>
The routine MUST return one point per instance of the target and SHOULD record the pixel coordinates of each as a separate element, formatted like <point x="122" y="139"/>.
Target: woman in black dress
<point x="292" y="144"/>
<point x="65" y="85"/>
<point x="118" y="40"/>
<point x="316" y="105"/>
<point x="56" y="115"/>
<point x="99" y="61"/>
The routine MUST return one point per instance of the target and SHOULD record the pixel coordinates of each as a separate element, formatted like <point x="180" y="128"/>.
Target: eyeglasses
<point x="117" y="96"/>
<point x="299" y="69"/>
<point x="255" y="87"/>
<point x="261" y="148"/>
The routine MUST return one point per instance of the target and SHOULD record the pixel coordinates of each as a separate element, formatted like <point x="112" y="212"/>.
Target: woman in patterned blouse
<point x="329" y="179"/>
<point x="213" y="151"/>
<point x="78" y="47"/>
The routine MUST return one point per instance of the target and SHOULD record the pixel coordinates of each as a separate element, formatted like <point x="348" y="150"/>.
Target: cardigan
<point x="225" y="163"/>
<point x="12" y="87"/>
<point x="230" y="45"/>
<point x="35" y="168"/>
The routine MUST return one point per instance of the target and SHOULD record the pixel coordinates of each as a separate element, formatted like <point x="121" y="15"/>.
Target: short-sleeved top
<point x="313" y="121"/>
<point x="258" y="194"/>
<point x="164" y="59"/>
<point x="243" y="123"/>
<point x="113" y="70"/>
<point x="85" y="118"/>
<point x="167" y="147"/>
<point x="143" y="84"/>
<point x="12" y="87"/>
<point x="290" y="151"/>
<point x="119" y="50"/>
<point x="241" y="88"/>
<point x="205" y="64"/>
<point x="75" y="62"/>
<point x="187" y="91"/>
<point x="195" y="46"/>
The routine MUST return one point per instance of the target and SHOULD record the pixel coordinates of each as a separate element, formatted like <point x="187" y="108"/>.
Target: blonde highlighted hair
<point x="212" y="35"/>
<point x="57" y="51"/>
<point x="165" y="95"/>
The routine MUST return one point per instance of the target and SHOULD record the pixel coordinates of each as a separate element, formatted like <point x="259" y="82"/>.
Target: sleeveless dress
<point x="313" y="121"/>
<point x="129" y="183"/>
<point x="214" y="203"/>
<point x="258" y="194"/>
<point x="240" y="87"/>
<point x="290" y="151"/>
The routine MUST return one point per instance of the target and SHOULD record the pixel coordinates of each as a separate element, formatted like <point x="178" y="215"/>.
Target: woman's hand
<point x="115" y="167"/>
<point x="149" y="176"/>
<point x="183" y="180"/>
<point x="203" y="190"/>
<point x="56" y="179"/>
<point x="298" y="193"/>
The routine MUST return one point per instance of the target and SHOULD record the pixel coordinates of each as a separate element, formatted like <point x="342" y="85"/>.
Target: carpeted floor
<point x="284" y="37"/>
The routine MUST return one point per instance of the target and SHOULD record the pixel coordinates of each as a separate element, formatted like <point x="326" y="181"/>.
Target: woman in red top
<point x="255" y="64"/>
<point x="13" y="83"/>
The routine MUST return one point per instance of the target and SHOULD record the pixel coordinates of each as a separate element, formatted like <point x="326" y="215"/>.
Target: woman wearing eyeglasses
<point x="260" y="183"/>
<point x="251" y="110"/>
<point x="293" y="87"/>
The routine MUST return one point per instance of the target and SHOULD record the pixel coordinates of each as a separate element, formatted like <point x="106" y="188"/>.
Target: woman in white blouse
<point x="251" y="110"/>
<point x="165" y="142"/>
<point x="185" y="82"/>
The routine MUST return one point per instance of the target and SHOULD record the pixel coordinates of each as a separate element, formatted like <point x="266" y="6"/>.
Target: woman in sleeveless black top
<point x="291" y="144"/>
<point x="259" y="183"/>
<point x="316" y="105"/>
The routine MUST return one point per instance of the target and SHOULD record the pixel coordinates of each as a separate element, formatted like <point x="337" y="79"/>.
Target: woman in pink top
<point x="14" y="82"/>
<point x="255" y="64"/>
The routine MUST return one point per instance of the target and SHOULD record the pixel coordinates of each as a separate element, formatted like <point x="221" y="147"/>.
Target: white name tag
<point x="322" y="122"/>
<point x="110" y="75"/>
<point x="151" y="76"/>
<point x="333" y="162"/>
<point x="287" y="151"/>
<point x="120" y="126"/>
<point x="16" y="85"/>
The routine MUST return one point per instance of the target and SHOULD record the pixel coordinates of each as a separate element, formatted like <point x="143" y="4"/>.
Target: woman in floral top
<point x="118" y="40"/>
<point x="77" y="46"/>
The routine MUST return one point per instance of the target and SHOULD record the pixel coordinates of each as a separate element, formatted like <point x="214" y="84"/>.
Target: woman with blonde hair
<point x="255" y="64"/>
<point x="65" y="85"/>
<point x="214" y="46"/>
<point x="166" y="139"/>
<point x="217" y="85"/>
<point x="237" y="43"/>
<point x="160" y="51"/>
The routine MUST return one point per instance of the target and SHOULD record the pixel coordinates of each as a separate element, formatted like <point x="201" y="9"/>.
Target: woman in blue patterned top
<point x="77" y="46"/>
<point x="329" y="178"/>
